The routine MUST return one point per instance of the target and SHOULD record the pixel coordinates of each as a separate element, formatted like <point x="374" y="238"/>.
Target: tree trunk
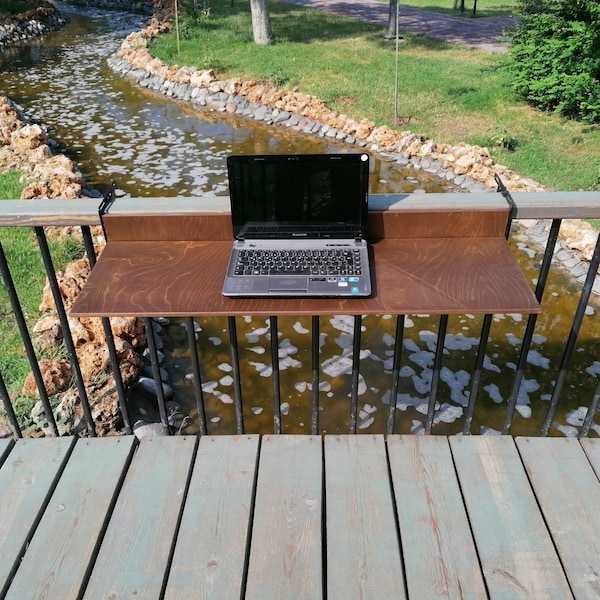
<point x="261" y="24"/>
<point x="392" y="31"/>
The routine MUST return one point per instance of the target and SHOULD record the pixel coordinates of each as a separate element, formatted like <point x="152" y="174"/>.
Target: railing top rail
<point x="84" y="211"/>
<point x="557" y="205"/>
<point x="49" y="212"/>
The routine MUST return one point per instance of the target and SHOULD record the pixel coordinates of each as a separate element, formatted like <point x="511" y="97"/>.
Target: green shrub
<point x="554" y="57"/>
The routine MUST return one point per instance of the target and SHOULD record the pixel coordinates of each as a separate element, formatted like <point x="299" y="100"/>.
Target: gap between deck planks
<point x="300" y="517"/>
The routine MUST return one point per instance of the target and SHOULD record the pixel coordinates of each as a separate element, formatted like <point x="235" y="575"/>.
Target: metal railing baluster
<point x="27" y="343"/>
<point x="315" y="371"/>
<point x="66" y="329"/>
<point x="275" y="378"/>
<point x="399" y="339"/>
<point x="355" y="372"/>
<point x="590" y="413"/>
<point x="195" y="363"/>
<point x="8" y="408"/>
<point x="155" y="365"/>
<point x="110" y="340"/>
<point x="435" y="376"/>
<point x="573" y="335"/>
<point x="477" y="372"/>
<point x="237" y="384"/>
<point x="529" y="329"/>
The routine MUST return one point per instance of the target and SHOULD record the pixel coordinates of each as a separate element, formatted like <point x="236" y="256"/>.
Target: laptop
<point x="299" y="223"/>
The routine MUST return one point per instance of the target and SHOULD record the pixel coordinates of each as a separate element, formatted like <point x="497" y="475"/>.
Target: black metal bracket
<point x="107" y="201"/>
<point x="512" y="213"/>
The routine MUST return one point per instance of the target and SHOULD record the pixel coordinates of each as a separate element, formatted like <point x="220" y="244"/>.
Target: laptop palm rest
<point x="287" y="284"/>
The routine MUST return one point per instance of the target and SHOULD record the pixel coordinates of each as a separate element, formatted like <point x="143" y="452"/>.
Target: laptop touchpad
<point x="287" y="284"/>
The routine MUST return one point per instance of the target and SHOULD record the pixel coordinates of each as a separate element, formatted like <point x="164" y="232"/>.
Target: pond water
<point x="148" y="144"/>
<point x="152" y="146"/>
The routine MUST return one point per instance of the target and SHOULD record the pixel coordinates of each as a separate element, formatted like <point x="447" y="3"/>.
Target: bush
<point x="554" y="57"/>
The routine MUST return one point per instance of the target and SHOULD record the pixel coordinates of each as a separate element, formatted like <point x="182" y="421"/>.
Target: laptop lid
<point x="312" y="196"/>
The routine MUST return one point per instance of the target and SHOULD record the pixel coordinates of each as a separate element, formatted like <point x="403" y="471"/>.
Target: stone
<point x="56" y="375"/>
<point x="143" y="429"/>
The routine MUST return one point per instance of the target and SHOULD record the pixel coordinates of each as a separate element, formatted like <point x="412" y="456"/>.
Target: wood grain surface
<point x="417" y="275"/>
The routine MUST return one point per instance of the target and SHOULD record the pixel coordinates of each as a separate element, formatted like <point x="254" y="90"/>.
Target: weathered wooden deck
<point x="299" y="517"/>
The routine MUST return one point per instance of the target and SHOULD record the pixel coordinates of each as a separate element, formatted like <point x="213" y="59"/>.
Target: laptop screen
<point x="301" y="195"/>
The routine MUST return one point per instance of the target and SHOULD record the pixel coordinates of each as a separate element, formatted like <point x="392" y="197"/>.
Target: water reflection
<point x="152" y="146"/>
<point x="148" y="144"/>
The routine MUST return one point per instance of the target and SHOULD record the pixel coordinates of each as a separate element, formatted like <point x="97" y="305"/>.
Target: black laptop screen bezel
<point x="270" y="195"/>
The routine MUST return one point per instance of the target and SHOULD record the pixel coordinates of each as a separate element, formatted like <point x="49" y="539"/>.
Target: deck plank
<point x="135" y="551"/>
<point x="210" y="554"/>
<point x="438" y="548"/>
<point x="363" y="551"/>
<point x="568" y="492"/>
<point x="286" y="549"/>
<point x="57" y="559"/>
<point x="514" y="546"/>
<point x="27" y="478"/>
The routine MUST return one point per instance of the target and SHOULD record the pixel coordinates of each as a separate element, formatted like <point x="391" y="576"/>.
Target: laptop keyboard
<point x="334" y="261"/>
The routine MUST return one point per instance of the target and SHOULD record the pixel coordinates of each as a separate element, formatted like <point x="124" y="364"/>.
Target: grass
<point x="29" y="277"/>
<point x="485" y="8"/>
<point x="10" y="8"/>
<point x="450" y="93"/>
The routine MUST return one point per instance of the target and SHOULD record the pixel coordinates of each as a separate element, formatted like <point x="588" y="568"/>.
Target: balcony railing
<point x="337" y="407"/>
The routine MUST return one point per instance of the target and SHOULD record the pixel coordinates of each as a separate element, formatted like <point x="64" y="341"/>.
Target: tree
<point x="554" y="57"/>
<point x="261" y="23"/>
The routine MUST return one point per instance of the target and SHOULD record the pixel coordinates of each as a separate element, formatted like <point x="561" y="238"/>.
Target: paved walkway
<point x="483" y="33"/>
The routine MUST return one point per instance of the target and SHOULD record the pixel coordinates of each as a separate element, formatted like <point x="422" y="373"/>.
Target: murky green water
<point x="151" y="146"/>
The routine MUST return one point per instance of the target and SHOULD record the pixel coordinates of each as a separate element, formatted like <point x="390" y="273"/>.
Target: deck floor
<point x="274" y="517"/>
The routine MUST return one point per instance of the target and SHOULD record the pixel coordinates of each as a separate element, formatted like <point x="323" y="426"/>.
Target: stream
<point x="151" y="146"/>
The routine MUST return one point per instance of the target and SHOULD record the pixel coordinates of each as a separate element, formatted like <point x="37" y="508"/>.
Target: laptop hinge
<point x="358" y="241"/>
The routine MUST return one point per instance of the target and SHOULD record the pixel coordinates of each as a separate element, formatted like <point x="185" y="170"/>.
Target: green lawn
<point x="27" y="272"/>
<point x="484" y="8"/>
<point x="9" y="8"/>
<point x="449" y="93"/>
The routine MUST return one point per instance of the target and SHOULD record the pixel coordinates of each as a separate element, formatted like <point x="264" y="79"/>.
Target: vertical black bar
<point x="529" y="330"/>
<point x="110" y="340"/>
<point x="314" y="429"/>
<point x="8" y="408"/>
<point x="572" y="339"/>
<point x="395" y="373"/>
<point x="275" y="377"/>
<point x="355" y="372"/>
<point x="483" y="343"/>
<point x="66" y="330"/>
<point x="191" y="336"/>
<point x="591" y="411"/>
<point x="29" y="350"/>
<point x="155" y="364"/>
<point x="237" y="386"/>
<point x="437" y="367"/>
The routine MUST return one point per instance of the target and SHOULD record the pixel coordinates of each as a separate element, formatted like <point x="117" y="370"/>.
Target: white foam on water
<point x="343" y="323"/>
<point x="299" y="328"/>
<point x="535" y="358"/>
<point x="456" y="381"/>
<point x="594" y="369"/>
<point x="566" y="430"/>
<point x="262" y="369"/>
<point x="447" y="413"/>
<point x="494" y="393"/>
<point x="257" y="349"/>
